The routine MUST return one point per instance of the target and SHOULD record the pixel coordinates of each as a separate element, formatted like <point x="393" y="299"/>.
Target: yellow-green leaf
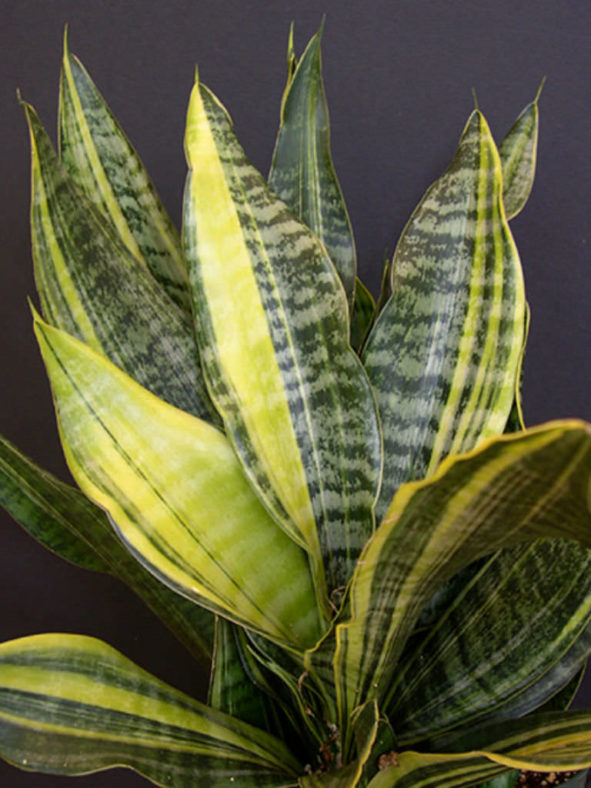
<point x="176" y="494"/>
<point x="71" y="705"/>
<point x="273" y="327"/>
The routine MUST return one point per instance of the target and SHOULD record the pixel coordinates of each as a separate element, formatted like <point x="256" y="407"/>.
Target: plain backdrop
<point x="398" y="77"/>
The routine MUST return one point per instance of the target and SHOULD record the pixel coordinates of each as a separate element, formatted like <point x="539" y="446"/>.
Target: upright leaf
<point x="443" y="355"/>
<point x="193" y="520"/>
<point x="93" y="287"/>
<point x="71" y="705"/>
<point x="273" y="327"/>
<point x="493" y="650"/>
<point x="234" y="688"/>
<point x="102" y="161"/>
<point x="513" y="489"/>
<point x="362" y="316"/>
<point x="302" y="172"/>
<point x="518" y="152"/>
<point x="66" y="522"/>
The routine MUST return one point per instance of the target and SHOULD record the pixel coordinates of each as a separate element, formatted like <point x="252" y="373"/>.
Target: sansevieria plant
<point x="334" y="503"/>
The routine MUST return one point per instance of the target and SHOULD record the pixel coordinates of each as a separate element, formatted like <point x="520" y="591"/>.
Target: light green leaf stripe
<point x="88" y="708"/>
<point x="500" y="648"/>
<point x="302" y="171"/>
<point x="193" y="521"/>
<point x="62" y="519"/>
<point x="545" y="742"/>
<point x="513" y="489"/>
<point x="456" y="280"/>
<point x="273" y="327"/>
<point x="91" y="286"/>
<point x="103" y="163"/>
<point x="518" y="152"/>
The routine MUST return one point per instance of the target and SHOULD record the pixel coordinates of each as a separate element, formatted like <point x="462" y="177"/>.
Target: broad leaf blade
<point x="514" y="489"/>
<point x="93" y="287"/>
<point x="443" y="355"/>
<point x="273" y="327"/>
<point x="302" y="172"/>
<point x="66" y="522"/>
<point x="103" y="163"/>
<point x="193" y="521"/>
<point x="72" y="705"/>
<point x="500" y="648"/>
<point x="518" y="152"/>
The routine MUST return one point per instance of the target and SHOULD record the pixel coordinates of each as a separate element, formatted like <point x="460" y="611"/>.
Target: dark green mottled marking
<point x="302" y="172"/>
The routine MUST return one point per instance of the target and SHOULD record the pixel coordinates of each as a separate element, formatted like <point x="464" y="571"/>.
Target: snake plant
<point x="334" y="504"/>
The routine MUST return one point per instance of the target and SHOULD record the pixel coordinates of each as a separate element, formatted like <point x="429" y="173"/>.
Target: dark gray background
<point x="398" y="77"/>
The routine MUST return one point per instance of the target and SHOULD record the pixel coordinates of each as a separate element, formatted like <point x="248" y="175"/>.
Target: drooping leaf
<point x="192" y="520"/>
<point x="54" y="513"/>
<point x="294" y="397"/>
<point x="302" y="172"/>
<point x="71" y="705"/>
<point x="362" y="316"/>
<point x="444" y="353"/>
<point x="518" y="152"/>
<point x="66" y="522"/>
<point x="514" y="488"/>
<point x="93" y="287"/>
<point x="499" y="649"/>
<point x="543" y="742"/>
<point x="103" y="163"/>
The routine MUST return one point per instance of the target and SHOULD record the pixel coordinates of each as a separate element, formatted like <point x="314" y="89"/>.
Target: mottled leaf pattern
<point x="443" y="355"/>
<point x="103" y="163"/>
<point x="514" y="489"/>
<point x="192" y="520"/>
<point x="71" y="705"/>
<point x="302" y="172"/>
<point x="93" y="287"/>
<point x="293" y="395"/>
<point x="518" y="152"/>
<point x="492" y="650"/>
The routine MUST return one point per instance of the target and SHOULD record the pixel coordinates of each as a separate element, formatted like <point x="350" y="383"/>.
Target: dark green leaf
<point x="302" y="172"/>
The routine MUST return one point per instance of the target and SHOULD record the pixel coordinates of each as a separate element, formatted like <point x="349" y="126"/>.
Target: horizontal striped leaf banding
<point x="302" y="171"/>
<point x="93" y="287"/>
<point x="293" y="395"/>
<point x="444" y="352"/>
<point x="103" y="163"/>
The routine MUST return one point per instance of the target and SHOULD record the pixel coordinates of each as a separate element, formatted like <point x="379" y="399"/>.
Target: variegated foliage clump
<point x="335" y="504"/>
